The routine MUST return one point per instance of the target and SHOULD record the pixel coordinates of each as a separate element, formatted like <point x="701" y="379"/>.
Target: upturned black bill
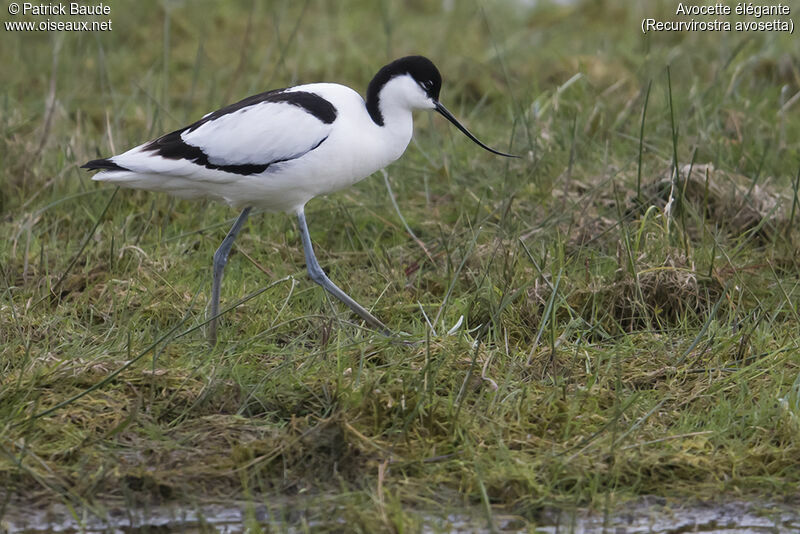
<point x="449" y="116"/>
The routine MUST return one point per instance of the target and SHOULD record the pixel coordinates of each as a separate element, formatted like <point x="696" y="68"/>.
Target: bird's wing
<point x="244" y="138"/>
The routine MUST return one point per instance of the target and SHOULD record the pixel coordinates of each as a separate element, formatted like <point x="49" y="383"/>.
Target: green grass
<point x="611" y="347"/>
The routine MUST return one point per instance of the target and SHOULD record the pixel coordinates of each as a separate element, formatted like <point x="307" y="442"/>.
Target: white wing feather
<point x="263" y="133"/>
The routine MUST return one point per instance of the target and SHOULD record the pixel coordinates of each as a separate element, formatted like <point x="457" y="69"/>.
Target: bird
<point x="276" y="150"/>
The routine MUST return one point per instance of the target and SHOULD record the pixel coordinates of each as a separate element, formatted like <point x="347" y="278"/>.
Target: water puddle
<point x="643" y="517"/>
<point x="647" y="517"/>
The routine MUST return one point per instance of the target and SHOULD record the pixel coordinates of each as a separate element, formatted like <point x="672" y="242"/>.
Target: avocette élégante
<point x="278" y="150"/>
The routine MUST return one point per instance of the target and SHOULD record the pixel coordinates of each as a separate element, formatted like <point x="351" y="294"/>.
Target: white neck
<point x="396" y="100"/>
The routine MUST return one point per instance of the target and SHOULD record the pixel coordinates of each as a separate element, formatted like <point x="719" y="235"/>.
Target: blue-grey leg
<point x="318" y="275"/>
<point x="220" y="259"/>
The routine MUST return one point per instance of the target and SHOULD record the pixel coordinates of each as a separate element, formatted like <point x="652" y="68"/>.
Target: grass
<point x="614" y="315"/>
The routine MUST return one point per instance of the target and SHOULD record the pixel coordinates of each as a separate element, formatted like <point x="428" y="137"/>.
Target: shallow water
<point x="647" y="516"/>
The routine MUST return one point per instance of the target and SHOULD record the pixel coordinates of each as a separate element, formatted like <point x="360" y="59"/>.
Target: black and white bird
<point x="278" y="150"/>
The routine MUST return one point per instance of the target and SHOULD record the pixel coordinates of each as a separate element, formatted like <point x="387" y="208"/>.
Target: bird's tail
<point x="104" y="164"/>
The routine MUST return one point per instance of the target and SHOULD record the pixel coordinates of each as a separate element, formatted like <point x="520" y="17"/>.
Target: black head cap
<point x="420" y="68"/>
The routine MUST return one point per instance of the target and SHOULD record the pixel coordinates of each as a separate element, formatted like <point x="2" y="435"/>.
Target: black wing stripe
<point x="102" y="164"/>
<point x="172" y="146"/>
<point x="313" y="104"/>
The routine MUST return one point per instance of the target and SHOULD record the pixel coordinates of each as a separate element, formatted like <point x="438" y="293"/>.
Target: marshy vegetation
<point x="613" y="315"/>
